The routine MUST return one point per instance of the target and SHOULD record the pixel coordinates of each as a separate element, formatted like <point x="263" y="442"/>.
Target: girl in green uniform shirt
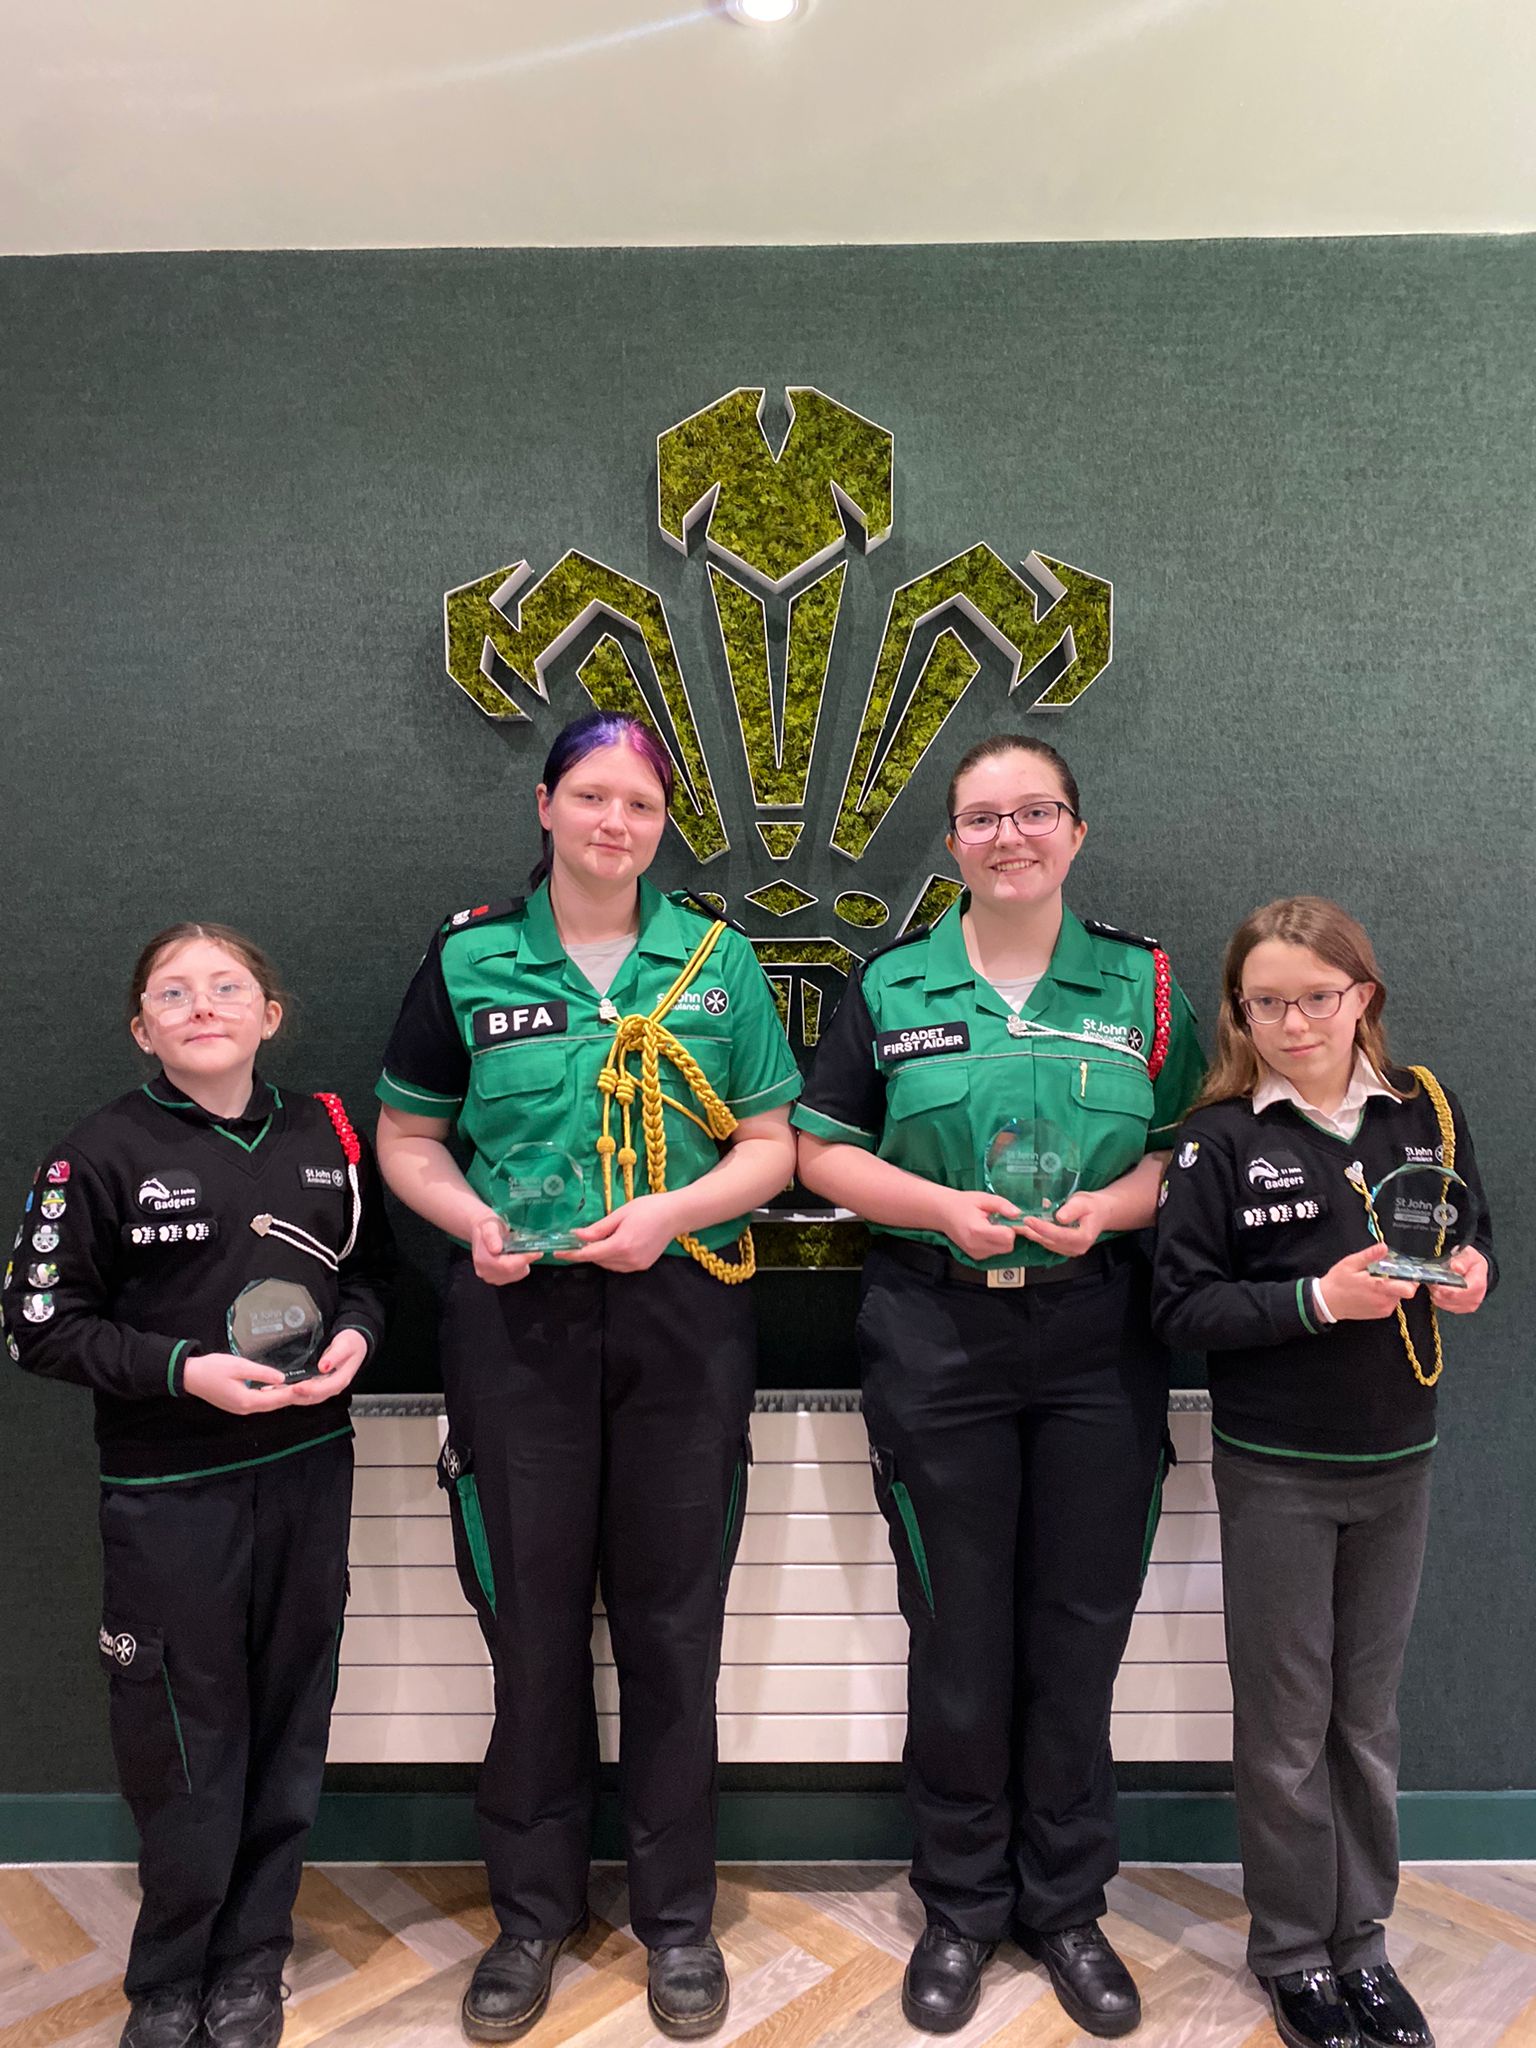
<point x="598" y="1399"/>
<point x="1015" y="1397"/>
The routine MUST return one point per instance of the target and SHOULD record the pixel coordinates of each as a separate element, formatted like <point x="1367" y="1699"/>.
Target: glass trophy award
<point x="537" y="1191"/>
<point x="276" y="1323"/>
<point x="1422" y="1215"/>
<point x="1033" y="1165"/>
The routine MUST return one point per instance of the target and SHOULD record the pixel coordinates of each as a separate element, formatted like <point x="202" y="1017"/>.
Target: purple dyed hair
<point x="585" y="735"/>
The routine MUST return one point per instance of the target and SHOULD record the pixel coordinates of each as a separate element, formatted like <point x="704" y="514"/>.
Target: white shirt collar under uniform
<point x="1364" y="1082"/>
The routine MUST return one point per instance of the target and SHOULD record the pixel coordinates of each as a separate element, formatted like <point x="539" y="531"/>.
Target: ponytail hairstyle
<point x="999" y="743"/>
<point x="1333" y="935"/>
<point x="585" y="735"/>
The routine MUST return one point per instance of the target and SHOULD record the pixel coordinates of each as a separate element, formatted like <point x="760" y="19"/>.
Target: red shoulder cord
<point x="352" y="1151"/>
<point x="341" y="1123"/>
<point x="1162" y="1013"/>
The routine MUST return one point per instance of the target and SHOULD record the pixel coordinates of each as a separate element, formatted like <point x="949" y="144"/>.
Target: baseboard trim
<point x="760" y="1826"/>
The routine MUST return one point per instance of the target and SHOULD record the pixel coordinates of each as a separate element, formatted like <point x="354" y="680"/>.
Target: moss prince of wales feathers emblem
<point x="776" y="530"/>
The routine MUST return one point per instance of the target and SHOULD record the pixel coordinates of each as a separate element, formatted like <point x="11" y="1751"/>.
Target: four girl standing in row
<point x="618" y="1392"/>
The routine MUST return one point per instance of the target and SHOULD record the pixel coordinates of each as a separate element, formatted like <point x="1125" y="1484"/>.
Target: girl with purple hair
<point x="598" y="1397"/>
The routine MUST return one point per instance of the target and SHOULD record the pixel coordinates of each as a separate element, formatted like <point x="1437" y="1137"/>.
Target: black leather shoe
<point x="165" y="2019"/>
<point x="687" y="1989"/>
<point x="1310" y="2011"/>
<point x="244" y="2010"/>
<point x="1385" y="2010"/>
<point x="1091" y="1983"/>
<point x="942" y="1987"/>
<point x="510" y="1987"/>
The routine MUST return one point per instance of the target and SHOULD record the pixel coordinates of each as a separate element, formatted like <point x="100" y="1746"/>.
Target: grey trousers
<point x="1320" y="1567"/>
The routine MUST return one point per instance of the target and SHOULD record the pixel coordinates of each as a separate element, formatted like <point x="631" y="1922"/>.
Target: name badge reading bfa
<point x="516" y="1020"/>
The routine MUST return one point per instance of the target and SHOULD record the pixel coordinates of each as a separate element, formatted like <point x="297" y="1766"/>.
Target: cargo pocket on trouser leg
<point x="1167" y="1458"/>
<point x="735" y="1508"/>
<point x="896" y="1504"/>
<point x="147" y="1740"/>
<point x="346" y="1595"/>
<point x="471" y="1547"/>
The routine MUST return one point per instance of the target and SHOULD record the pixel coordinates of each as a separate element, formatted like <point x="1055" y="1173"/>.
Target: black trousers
<point x="597" y="1430"/>
<point x="1016" y="1440"/>
<point x="221" y="1627"/>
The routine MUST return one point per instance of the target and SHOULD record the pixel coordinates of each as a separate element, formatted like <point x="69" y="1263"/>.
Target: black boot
<point x="172" y="2018"/>
<point x="510" y="1987"/>
<point x="244" y="2010"/>
<point x="1385" y="2010"/>
<point x="1091" y="1983"/>
<point x="942" y="1987"/>
<point x="687" y="1989"/>
<point x="1310" y="2011"/>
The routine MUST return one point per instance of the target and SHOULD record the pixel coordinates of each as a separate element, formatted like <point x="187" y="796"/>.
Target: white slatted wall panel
<point x="813" y="1667"/>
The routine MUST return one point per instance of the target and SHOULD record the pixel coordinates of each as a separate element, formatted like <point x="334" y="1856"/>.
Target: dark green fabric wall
<point x="235" y="488"/>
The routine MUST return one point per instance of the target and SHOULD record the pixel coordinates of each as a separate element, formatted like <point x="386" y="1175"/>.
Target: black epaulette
<point x="1112" y="931"/>
<point x="685" y="899"/>
<point x="482" y="914"/>
<point x="918" y="931"/>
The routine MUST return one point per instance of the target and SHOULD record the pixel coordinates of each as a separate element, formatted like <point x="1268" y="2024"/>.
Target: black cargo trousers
<point x="1018" y="1440"/>
<point x="222" y="1609"/>
<point x="598" y="1431"/>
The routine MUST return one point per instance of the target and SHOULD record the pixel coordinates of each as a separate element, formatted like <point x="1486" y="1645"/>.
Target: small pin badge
<point x="1017" y="1028"/>
<point x="261" y="1225"/>
<point x="606" y="1012"/>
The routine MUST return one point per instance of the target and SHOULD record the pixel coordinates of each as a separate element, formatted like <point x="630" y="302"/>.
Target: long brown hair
<point x="263" y="972"/>
<point x="1324" y="929"/>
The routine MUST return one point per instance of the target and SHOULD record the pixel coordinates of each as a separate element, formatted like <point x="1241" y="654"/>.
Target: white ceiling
<point x="175" y="124"/>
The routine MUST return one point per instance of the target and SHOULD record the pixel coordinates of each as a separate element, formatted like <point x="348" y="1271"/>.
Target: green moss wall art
<point x="775" y="530"/>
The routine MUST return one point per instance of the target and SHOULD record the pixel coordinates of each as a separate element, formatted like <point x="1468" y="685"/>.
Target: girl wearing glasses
<point x="205" y="1209"/>
<point x="1322" y="1376"/>
<point x="1015" y="1397"/>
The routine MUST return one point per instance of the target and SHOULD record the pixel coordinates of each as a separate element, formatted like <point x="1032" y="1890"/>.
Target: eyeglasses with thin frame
<point x="1037" y="819"/>
<point x="1318" y="1006"/>
<point x="227" y="995"/>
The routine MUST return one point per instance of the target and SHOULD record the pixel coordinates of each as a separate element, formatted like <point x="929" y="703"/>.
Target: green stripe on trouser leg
<point x="908" y="1514"/>
<point x="734" y="1511"/>
<point x="1154" y="1512"/>
<point x="474" y="1536"/>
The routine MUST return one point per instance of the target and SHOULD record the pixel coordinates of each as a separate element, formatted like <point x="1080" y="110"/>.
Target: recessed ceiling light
<point x="761" y="13"/>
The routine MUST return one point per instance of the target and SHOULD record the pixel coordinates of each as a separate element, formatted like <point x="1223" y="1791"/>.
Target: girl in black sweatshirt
<point x="1322" y="1378"/>
<point x="205" y="1210"/>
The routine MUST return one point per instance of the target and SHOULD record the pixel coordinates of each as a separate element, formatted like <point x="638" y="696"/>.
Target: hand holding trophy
<point x="537" y="1191"/>
<point x="1036" y="1166"/>
<point x="1422" y="1215"/>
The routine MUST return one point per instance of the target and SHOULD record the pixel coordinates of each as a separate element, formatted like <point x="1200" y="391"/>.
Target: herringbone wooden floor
<point x="816" y="1954"/>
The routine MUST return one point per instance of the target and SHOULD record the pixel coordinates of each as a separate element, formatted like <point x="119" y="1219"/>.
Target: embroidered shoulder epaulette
<point x="1113" y="931"/>
<point x="918" y="931"/>
<point x="702" y="906"/>
<point x="482" y="913"/>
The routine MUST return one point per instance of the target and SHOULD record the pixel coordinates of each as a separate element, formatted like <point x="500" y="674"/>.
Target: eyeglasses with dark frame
<point x="1318" y="1006"/>
<point x="1037" y="819"/>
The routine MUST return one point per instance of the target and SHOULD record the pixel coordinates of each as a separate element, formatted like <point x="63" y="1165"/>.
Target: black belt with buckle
<point x="939" y="1267"/>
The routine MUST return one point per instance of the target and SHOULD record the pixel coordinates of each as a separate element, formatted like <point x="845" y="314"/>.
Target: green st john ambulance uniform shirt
<point x="502" y="1035"/>
<point x="924" y="1061"/>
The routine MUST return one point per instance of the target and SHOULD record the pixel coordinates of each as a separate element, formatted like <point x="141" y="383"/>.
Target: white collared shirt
<point x="1364" y="1082"/>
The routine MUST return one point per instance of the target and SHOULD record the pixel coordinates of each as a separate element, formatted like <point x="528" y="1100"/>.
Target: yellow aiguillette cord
<point x="650" y="1037"/>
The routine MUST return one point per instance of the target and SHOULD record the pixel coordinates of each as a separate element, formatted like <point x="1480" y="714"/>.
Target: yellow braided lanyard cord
<point x="1442" y="1111"/>
<point x="652" y="1040"/>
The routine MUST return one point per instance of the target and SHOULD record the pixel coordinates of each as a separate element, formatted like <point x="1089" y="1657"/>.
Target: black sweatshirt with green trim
<point x="1254" y="1208"/>
<point x="138" y="1235"/>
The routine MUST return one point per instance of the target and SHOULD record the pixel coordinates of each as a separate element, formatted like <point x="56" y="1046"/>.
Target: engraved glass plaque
<point x="537" y="1192"/>
<point x="1033" y="1165"/>
<point x="1422" y="1215"/>
<point x="276" y="1323"/>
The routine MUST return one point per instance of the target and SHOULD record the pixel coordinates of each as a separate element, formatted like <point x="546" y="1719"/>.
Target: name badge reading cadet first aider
<point x="920" y="1041"/>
